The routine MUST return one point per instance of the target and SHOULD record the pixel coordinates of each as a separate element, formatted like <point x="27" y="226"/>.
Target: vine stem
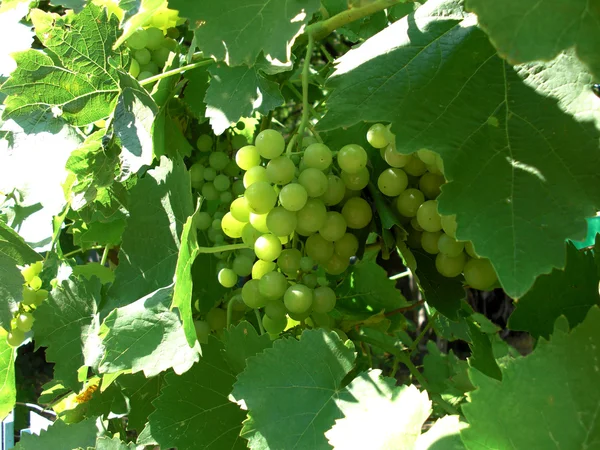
<point x="422" y="334"/>
<point x="222" y="248"/>
<point x="305" y="76"/>
<point x="176" y="71"/>
<point x="81" y="250"/>
<point x="105" y="255"/>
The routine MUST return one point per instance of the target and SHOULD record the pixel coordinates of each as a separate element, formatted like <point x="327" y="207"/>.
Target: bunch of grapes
<point x="150" y="49"/>
<point x="33" y="296"/>
<point x="415" y="181"/>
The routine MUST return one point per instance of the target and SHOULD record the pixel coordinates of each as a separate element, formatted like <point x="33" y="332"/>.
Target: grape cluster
<point x="415" y="181"/>
<point x="33" y="296"/>
<point x="150" y="49"/>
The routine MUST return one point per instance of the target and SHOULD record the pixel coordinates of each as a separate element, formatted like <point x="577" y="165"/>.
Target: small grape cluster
<point x="415" y="181"/>
<point x="33" y="296"/>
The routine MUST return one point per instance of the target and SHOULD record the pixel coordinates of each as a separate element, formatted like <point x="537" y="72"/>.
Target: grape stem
<point x="105" y="255"/>
<point x="305" y="76"/>
<point x="222" y="248"/>
<point x="422" y="334"/>
<point x="259" y="320"/>
<point x="176" y="71"/>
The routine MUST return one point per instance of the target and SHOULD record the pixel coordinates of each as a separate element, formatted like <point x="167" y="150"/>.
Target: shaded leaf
<point x="443" y="435"/>
<point x="8" y="392"/>
<point x="240" y="343"/>
<point x="141" y="392"/>
<point x="61" y="436"/>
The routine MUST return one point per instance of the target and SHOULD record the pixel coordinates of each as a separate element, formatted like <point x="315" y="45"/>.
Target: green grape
<point x="28" y="273"/>
<point x="232" y="170"/>
<point x="356" y="181"/>
<point x="275" y="309"/>
<point x="240" y="209"/>
<point x="204" y="143"/>
<point x="238" y="141"/>
<point x="25" y="321"/>
<point x="395" y="158"/>
<point x="267" y="247"/>
<point x="293" y="197"/>
<point x="145" y="74"/>
<point x="216" y="224"/>
<point x="15" y="337"/>
<point x="430" y="184"/>
<point x="480" y="274"/>
<point x="272" y="285"/>
<point x="261" y="197"/>
<point x="281" y="222"/>
<point x="322" y="281"/>
<point x="202" y="331"/>
<point x="415" y="224"/>
<point x="351" y="158"/>
<point x="427" y="156"/>
<point x="247" y="157"/>
<point x="254" y="175"/>
<point x="137" y="40"/>
<point x="218" y="160"/>
<point x="346" y="246"/>
<point x="335" y="191"/>
<point x="289" y="261"/>
<point x="309" y="280"/>
<point x="260" y="268"/>
<point x="37" y="267"/>
<point x="471" y="250"/>
<point x="429" y="242"/>
<point x="449" y="225"/>
<point x="270" y="144"/>
<point x="226" y="197"/>
<point x="251" y="295"/>
<point x="415" y="166"/>
<point x="160" y="56"/>
<point x="259" y="222"/>
<point x="197" y="175"/>
<point x="307" y="263"/>
<point x="413" y="240"/>
<point x="35" y="283"/>
<point x="170" y="44"/>
<point x="237" y="188"/>
<point x="336" y="265"/>
<point x="40" y="296"/>
<point x="280" y="170"/>
<point x="450" y="246"/>
<point x="274" y="326"/>
<point x="210" y="174"/>
<point x="150" y="67"/>
<point x="227" y="278"/>
<point x="314" y="181"/>
<point x="232" y="227"/>
<point x="142" y="56"/>
<point x="313" y="215"/>
<point x="221" y="265"/>
<point x="334" y="227"/>
<point x="323" y="300"/>
<point x="222" y="183"/>
<point x="215" y="236"/>
<point x="242" y="266"/>
<point x="298" y="299"/>
<point x="450" y="266"/>
<point x="357" y="213"/>
<point x="428" y="216"/>
<point x="318" y="156"/>
<point x="216" y="319"/>
<point x="308" y="140"/>
<point x="392" y="182"/>
<point x="134" y="68"/>
<point x="299" y="317"/>
<point x="203" y="221"/>
<point x="378" y="136"/>
<point x="209" y="192"/>
<point x="155" y="38"/>
<point x="318" y="248"/>
<point x="408" y="202"/>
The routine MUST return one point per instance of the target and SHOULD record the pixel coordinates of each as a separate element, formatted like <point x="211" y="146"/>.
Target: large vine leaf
<point x="570" y="292"/>
<point x="236" y="31"/>
<point x="530" y="30"/>
<point x="522" y="173"/>
<point x="60" y="436"/>
<point x="75" y="77"/>
<point x="159" y="205"/>
<point x="105" y="443"/>
<point x="292" y="405"/>
<point x="552" y="395"/>
<point x="141" y="392"/>
<point x="67" y="324"/>
<point x="146" y="336"/>
<point x="8" y="392"/>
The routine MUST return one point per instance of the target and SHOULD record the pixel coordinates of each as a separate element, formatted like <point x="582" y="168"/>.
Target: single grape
<point x="299" y="317"/>
<point x="155" y="38"/>
<point x="314" y="181"/>
<point x="280" y="170"/>
<point x="357" y="213"/>
<point x="324" y="299"/>
<point x="40" y="296"/>
<point x="35" y="283"/>
<point x="242" y="265"/>
<point x="334" y="227"/>
<point x="210" y="174"/>
<point x="37" y="267"/>
<point x="395" y="158"/>
<point x="415" y="166"/>
<point x="240" y="209"/>
<point x="150" y="67"/>
<point x="322" y="281"/>
<point x="216" y="319"/>
<point x="209" y="192"/>
<point x="142" y="56"/>
<point x="260" y="268"/>
<point x="204" y="143"/>
<point x="232" y="227"/>
<point x="356" y="181"/>
<point x="429" y="242"/>
<point x="270" y="144"/>
<point x="289" y="261"/>
<point x="307" y="263"/>
<point x="202" y="331"/>
<point x="252" y="296"/>
<point x="259" y="221"/>
<point x="160" y="56"/>
<point x="25" y="321"/>
<point x="254" y="175"/>
<point x="197" y="175"/>
<point x="222" y="183"/>
<point x="227" y="278"/>
<point x="309" y="280"/>
<point x="336" y="265"/>
<point x="298" y="298"/>
<point x="216" y="224"/>
<point x="267" y="247"/>
<point x="272" y="285"/>
<point x="346" y="246"/>
<point x="137" y="40"/>
<point x="392" y="182"/>
<point x="218" y="160"/>
<point x="318" y="248"/>
<point x="450" y="266"/>
<point x="145" y="74"/>
<point x="226" y="197"/>
<point x="413" y="240"/>
<point x="312" y="216"/>
<point x="232" y="170"/>
<point x="351" y="158"/>
<point x="378" y="135"/>
<point x="134" y="68"/>
<point x="281" y="222"/>
<point x="238" y="141"/>
<point x="408" y="202"/>
<point x="261" y="197"/>
<point x="308" y="140"/>
<point x="430" y="184"/>
<point x="170" y="43"/>
<point x="318" y="156"/>
<point x="449" y="225"/>
<point x="293" y="197"/>
<point x="28" y="273"/>
<point x="215" y="236"/>
<point x="480" y="274"/>
<point x="247" y="157"/>
<point x="428" y="216"/>
<point x="336" y="189"/>
<point x="203" y="221"/>
<point x="15" y="337"/>
<point x="274" y="326"/>
<point x="237" y="188"/>
<point x="415" y="224"/>
<point x="427" y="156"/>
<point x="450" y="246"/>
<point x="275" y="309"/>
<point x="471" y="250"/>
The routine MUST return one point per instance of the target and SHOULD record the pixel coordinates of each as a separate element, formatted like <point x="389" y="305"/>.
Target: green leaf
<point x="138" y="16"/>
<point x="523" y="31"/>
<point x="443" y="435"/>
<point x="293" y="404"/>
<point x="393" y="415"/>
<point x="241" y="342"/>
<point x="73" y="77"/>
<point x="13" y="247"/>
<point x="445" y="373"/>
<point x="558" y="381"/>
<point x="141" y="392"/>
<point x="67" y="324"/>
<point x="513" y="158"/>
<point x="193" y="410"/>
<point x="60" y="436"/>
<point x="238" y="36"/>
<point x="87" y="271"/>
<point x="236" y="92"/>
<point x="8" y="392"/>
<point x="76" y="5"/>
<point x="15" y="37"/>
<point x="195" y="90"/>
<point x="482" y="355"/>
<point x="205" y="294"/>
<point x="105" y="443"/>
<point x="146" y="336"/>
<point x="159" y="205"/>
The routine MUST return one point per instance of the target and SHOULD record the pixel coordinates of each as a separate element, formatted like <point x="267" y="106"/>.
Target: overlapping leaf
<point x="141" y="392"/>
<point x="61" y="436"/>
<point x="8" y="392"/>
<point x="522" y="173"/>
